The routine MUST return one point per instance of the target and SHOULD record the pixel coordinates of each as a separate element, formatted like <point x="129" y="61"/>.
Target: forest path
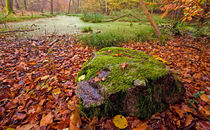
<point x="58" y="25"/>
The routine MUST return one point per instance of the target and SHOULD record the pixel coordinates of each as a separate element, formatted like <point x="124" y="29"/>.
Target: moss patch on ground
<point x="125" y="67"/>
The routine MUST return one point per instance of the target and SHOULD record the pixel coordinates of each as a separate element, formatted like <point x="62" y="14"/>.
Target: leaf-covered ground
<point x="37" y="84"/>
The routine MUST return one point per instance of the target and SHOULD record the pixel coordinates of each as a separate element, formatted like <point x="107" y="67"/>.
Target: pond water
<point x="58" y="25"/>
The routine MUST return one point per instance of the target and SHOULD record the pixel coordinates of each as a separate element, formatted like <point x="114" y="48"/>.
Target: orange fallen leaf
<point x="189" y="120"/>
<point x="46" y="119"/>
<point x="75" y="120"/>
<point x="124" y="65"/>
<point x="205" y="98"/>
<point x="142" y="126"/>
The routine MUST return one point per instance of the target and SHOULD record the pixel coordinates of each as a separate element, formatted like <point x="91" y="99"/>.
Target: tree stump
<point x="123" y="81"/>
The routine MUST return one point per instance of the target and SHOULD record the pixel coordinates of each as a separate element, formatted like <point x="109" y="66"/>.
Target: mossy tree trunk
<point x="51" y="5"/>
<point x="9" y="7"/>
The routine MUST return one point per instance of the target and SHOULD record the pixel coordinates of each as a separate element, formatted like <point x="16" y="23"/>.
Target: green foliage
<point x="201" y="31"/>
<point x="92" y="17"/>
<point x="106" y="109"/>
<point x="102" y="40"/>
<point x="87" y="29"/>
<point x="176" y="27"/>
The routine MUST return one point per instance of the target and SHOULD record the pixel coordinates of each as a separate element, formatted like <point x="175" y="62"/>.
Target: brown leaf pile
<point x="37" y="84"/>
<point x="37" y="81"/>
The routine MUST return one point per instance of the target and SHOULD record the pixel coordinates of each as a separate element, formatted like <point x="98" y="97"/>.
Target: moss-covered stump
<point x="123" y="81"/>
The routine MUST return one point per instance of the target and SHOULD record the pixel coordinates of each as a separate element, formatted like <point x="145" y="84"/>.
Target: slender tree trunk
<point x="150" y="19"/>
<point x="9" y="6"/>
<point x="51" y="5"/>
<point x="16" y="4"/>
<point x="106" y="6"/>
<point x="42" y="6"/>
<point x="78" y="1"/>
<point x="25" y="4"/>
<point x="73" y="7"/>
<point x="69" y="8"/>
<point x="2" y="4"/>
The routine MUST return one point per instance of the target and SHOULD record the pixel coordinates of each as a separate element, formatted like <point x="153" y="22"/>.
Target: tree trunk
<point x="73" y="7"/>
<point x="106" y="6"/>
<point x="69" y="8"/>
<point x="2" y="4"/>
<point x="78" y="1"/>
<point x="16" y="4"/>
<point x="9" y="6"/>
<point x="43" y="5"/>
<point x="25" y="4"/>
<point x="150" y="19"/>
<point x="51" y="9"/>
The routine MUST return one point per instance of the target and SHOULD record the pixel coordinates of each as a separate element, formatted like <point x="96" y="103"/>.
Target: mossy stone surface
<point x="124" y="81"/>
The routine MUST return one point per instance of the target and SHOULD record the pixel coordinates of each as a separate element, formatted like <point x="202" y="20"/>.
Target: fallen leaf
<point x="205" y="98"/>
<point x="189" y="120"/>
<point x="27" y="127"/>
<point x="124" y="65"/>
<point x="120" y="121"/>
<point x="142" y="126"/>
<point x="178" y="111"/>
<point x="93" y="122"/>
<point x="45" y="77"/>
<point x="96" y="79"/>
<point x="81" y="78"/>
<point x="46" y="119"/>
<point x="75" y="120"/>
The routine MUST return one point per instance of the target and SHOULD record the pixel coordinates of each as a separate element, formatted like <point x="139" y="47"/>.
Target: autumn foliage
<point x="37" y="84"/>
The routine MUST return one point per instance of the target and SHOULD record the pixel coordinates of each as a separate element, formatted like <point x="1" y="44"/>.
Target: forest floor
<point x="37" y="83"/>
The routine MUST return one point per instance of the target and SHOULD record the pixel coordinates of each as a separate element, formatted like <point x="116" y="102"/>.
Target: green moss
<point x="140" y="66"/>
<point x="152" y="98"/>
<point x="110" y="107"/>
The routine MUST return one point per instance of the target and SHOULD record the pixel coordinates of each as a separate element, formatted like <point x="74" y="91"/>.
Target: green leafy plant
<point x="92" y="17"/>
<point x="102" y="40"/>
<point x="87" y="29"/>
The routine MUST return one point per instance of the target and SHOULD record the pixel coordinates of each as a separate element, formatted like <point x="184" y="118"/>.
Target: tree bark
<point x="43" y="5"/>
<point x="9" y="6"/>
<point x="69" y="8"/>
<point x="51" y="5"/>
<point x="25" y="4"/>
<point x="2" y="4"/>
<point x="16" y="4"/>
<point x="78" y="1"/>
<point x="106" y="6"/>
<point x="150" y="19"/>
<point x="73" y="7"/>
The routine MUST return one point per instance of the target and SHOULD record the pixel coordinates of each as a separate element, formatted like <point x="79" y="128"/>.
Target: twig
<point x="56" y="40"/>
<point x="189" y="47"/>
<point x="112" y="20"/>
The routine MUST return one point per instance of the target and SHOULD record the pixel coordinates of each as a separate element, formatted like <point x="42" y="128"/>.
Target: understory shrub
<point x="92" y="17"/>
<point x="101" y="40"/>
<point x="87" y="29"/>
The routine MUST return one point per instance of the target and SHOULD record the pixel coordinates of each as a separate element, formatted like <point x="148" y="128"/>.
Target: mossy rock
<point x="124" y="81"/>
